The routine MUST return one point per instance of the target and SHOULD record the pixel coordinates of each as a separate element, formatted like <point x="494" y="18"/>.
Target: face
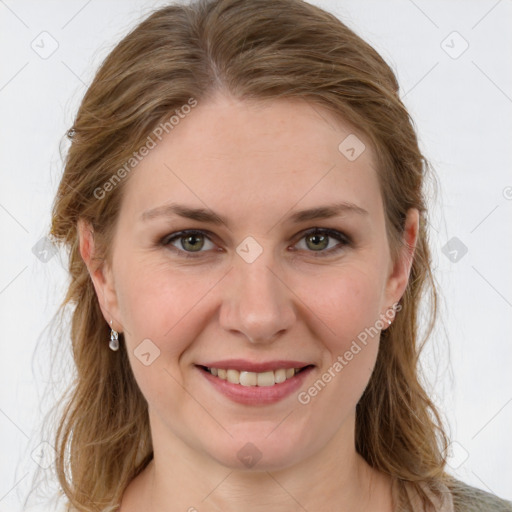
<point x="247" y="242"/>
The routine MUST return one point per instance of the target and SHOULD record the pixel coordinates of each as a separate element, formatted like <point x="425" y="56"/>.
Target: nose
<point x="256" y="301"/>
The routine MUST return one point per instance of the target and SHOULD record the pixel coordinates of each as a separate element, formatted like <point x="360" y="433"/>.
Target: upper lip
<point x="251" y="366"/>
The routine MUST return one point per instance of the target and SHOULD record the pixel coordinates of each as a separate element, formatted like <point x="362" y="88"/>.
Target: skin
<point x="254" y="164"/>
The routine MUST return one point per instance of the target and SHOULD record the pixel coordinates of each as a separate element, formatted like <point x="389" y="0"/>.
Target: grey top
<point x="471" y="499"/>
<point x="458" y="497"/>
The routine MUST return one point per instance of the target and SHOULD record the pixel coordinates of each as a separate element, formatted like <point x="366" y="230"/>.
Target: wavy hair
<point x="254" y="50"/>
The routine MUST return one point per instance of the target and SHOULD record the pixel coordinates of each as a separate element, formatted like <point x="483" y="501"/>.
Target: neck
<point x="183" y="479"/>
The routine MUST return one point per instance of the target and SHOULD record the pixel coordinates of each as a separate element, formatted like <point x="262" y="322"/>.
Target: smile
<point x="247" y="378"/>
<point x="255" y="383"/>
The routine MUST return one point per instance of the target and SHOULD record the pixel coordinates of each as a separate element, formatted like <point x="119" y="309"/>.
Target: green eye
<point x="192" y="243"/>
<point x="317" y="242"/>
<point x="188" y="242"/>
<point x="322" y="241"/>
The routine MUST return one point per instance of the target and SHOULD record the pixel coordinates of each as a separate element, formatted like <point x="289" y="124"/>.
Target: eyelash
<point x="344" y="240"/>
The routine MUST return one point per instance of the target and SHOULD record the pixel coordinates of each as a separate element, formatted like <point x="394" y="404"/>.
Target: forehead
<point x="241" y="155"/>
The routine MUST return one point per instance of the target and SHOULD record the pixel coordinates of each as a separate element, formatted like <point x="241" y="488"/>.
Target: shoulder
<point x="471" y="499"/>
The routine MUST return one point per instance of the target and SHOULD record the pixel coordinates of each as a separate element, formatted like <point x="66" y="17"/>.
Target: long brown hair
<point x="257" y="49"/>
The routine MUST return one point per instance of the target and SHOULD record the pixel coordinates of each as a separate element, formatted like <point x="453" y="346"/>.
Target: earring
<point x="114" y="338"/>
<point x="387" y="318"/>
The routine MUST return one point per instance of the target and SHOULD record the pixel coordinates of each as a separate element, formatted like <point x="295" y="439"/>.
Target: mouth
<point x="252" y="379"/>
<point x="255" y="384"/>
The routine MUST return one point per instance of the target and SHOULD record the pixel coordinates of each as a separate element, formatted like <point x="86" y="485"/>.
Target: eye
<point x="321" y="241"/>
<point x="189" y="241"/>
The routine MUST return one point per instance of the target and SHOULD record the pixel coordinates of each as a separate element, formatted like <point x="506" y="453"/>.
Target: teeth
<point x="266" y="379"/>
<point x="252" y="378"/>
<point x="280" y="375"/>
<point x="233" y="376"/>
<point x="248" y="378"/>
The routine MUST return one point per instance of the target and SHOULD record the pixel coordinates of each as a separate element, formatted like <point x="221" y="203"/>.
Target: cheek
<point x="347" y="302"/>
<point x="159" y="309"/>
<point x="158" y="304"/>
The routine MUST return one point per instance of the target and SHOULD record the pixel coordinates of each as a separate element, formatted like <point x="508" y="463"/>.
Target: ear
<point x="401" y="268"/>
<point x="101" y="275"/>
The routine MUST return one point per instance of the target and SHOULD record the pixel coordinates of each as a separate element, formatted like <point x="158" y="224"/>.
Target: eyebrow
<point x="205" y="215"/>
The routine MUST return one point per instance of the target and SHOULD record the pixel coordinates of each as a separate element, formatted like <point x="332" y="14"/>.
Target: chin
<point x="257" y="450"/>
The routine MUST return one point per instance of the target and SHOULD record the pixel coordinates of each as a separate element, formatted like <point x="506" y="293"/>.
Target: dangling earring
<point x="114" y="338"/>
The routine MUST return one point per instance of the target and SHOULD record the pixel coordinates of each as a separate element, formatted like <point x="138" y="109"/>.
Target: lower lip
<point x="257" y="395"/>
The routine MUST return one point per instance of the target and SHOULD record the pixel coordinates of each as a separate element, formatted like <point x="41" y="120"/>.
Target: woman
<point x="243" y="204"/>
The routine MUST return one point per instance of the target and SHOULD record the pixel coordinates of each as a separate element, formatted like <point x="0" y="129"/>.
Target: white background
<point x="462" y="108"/>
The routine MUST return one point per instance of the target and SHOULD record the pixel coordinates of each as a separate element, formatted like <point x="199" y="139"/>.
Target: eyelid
<point x="167" y="240"/>
<point x="343" y="239"/>
<point x="334" y="233"/>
